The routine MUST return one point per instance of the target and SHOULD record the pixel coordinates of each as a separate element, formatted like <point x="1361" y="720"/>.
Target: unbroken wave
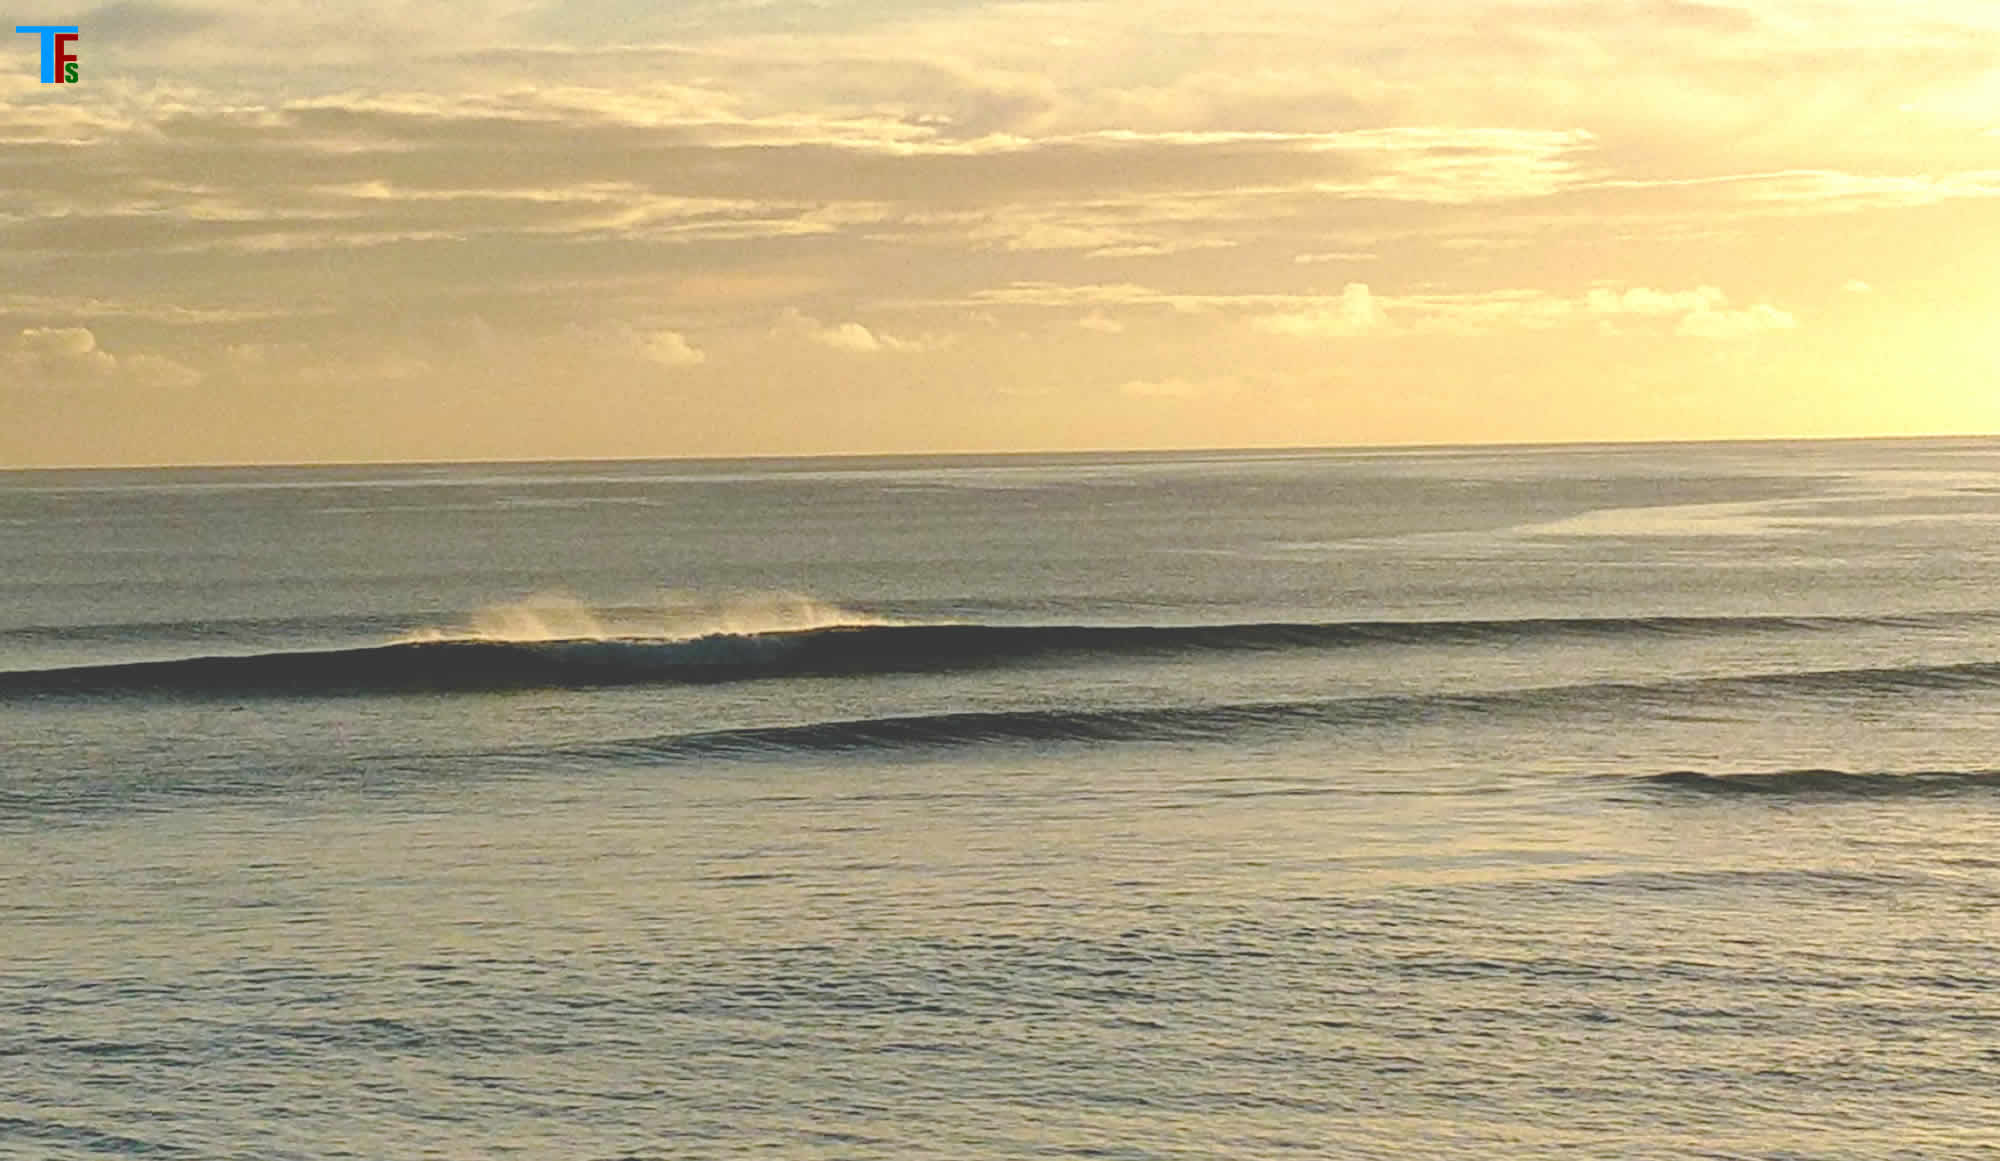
<point x="1815" y="783"/>
<point x="1194" y="723"/>
<point x="457" y="664"/>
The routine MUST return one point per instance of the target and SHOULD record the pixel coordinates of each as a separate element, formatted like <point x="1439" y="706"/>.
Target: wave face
<point x="1231" y="722"/>
<point x="439" y="663"/>
<point x="995" y="727"/>
<point x="1820" y="784"/>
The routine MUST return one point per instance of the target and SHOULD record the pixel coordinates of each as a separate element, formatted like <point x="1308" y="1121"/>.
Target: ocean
<point x="1588" y="801"/>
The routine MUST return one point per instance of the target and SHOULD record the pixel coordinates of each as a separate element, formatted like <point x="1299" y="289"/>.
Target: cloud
<point x="1717" y="323"/>
<point x="567" y="162"/>
<point x="168" y="313"/>
<point x="157" y="371"/>
<point x="140" y="22"/>
<point x="1042" y="233"/>
<point x="1091" y="294"/>
<point x="670" y="349"/>
<point x="1160" y="249"/>
<point x="71" y="352"/>
<point x="1355" y="313"/>
<point x="1642" y="301"/>
<point x="1703" y="312"/>
<point x="1837" y="190"/>
<point x="1527" y="175"/>
<point x="1141" y="227"/>
<point x="852" y="336"/>
<point x="664" y="348"/>
<point x="69" y="357"/>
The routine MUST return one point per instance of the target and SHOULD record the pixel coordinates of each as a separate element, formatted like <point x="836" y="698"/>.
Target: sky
<point x="290" y="232"/>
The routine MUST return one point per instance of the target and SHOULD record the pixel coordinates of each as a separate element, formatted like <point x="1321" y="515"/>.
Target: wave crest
<point x="555" y="616"/>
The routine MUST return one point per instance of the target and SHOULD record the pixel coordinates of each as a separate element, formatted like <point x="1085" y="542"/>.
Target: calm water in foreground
<point x="1586" y="802"/>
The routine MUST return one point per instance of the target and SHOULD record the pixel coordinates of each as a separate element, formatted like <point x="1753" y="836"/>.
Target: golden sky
<point x="282" y="231"/>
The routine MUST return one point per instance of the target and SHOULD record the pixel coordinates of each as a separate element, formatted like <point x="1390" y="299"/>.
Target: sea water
<point x="1635" y="801"/>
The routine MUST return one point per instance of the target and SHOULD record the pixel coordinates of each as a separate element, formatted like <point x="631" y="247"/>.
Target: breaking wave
<point x="558" y="617"/>
<point x="540" y="650"/>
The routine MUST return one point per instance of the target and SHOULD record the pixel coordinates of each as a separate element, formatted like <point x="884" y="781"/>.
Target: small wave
<point x="983" y="727"/>
<point x="1815" y="783"/>
<point x="1156" y="723"/>
<point x="1882" y="679"/>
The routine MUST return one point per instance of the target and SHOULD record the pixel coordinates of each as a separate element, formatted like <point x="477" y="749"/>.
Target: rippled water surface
<point x="1580" y="802"/>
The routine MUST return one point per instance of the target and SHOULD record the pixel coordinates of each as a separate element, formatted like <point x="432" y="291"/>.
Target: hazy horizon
<point x="1359" y="449"/>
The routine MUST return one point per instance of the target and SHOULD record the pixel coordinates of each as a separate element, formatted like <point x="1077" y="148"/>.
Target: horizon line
<point x="1391" y="447"/>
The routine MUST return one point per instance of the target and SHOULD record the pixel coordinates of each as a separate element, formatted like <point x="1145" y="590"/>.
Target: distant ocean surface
<point x="1589" y="802"/>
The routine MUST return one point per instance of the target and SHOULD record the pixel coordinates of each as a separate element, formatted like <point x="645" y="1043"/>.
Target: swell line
<point x="1215" y="723"/>
<point x="1824" y="783"/>
<point x="839" y="650"/>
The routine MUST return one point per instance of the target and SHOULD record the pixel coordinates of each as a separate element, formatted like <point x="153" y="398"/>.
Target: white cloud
<point x="1735" y="324"/>
<point x="1062" y="294"/>
<point x="664" y="348"/>
<point x="1018" y="234"/>
<point x="1833" y="189"/>
<point x="1355" y="313"/>
<point x="157" y="371"/>
<point x="1160" y="249"/>
<point x="68" y="350"/>
<point x="670" y="349"/>
<point x="1102" y="323"/>
<point x="1643" y="301"/>
<point x="852" y="336"/>
<point x="1703" y="312"/>
<point x="849" y="336"/>
<point x="59" y="357"/>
